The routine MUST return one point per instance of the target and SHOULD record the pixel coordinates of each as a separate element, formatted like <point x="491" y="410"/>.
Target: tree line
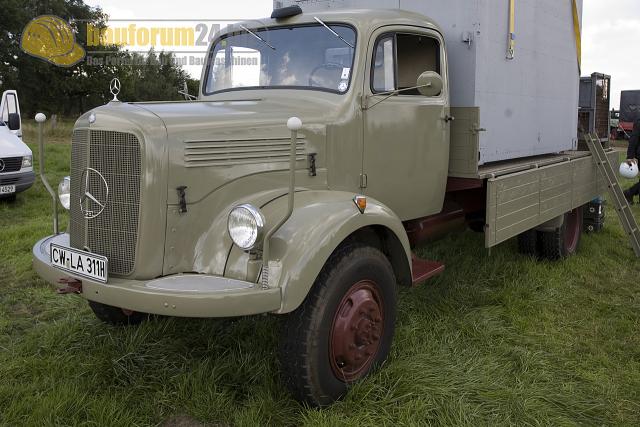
<point x="71" y="91"/>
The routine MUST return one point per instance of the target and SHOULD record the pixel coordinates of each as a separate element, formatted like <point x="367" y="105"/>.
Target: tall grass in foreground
<point x="498" y="339"/>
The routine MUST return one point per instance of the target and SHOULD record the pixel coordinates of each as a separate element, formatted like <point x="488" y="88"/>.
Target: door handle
<point x="449" y="118"/>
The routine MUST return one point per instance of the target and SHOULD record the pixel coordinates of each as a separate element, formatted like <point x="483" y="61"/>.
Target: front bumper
<point x="188" y="295"/>
<point x="22" y="180"/>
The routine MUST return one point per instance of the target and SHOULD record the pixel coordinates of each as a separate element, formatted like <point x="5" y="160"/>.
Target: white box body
<point x="528" y="104"/>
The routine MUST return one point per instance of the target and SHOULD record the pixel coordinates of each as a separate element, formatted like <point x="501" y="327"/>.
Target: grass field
<point x="499" y="339"/>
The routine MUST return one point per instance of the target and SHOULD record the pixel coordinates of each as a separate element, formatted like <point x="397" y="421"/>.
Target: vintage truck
<point x="322" y="149"/>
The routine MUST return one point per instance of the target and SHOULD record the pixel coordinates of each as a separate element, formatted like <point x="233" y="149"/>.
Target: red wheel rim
<point x="356" y="332"/>
<point x="572" y="230"/>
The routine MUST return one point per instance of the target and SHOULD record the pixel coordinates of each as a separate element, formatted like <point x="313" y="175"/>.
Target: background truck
<point x="16" y="170"/>
<point x="397" y="130"/>
<point x="629" y="109"/>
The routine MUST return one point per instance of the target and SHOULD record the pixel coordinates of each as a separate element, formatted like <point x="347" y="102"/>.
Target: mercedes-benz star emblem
<point x="1" y="165"/>
<point x="114" y="88"/>
<point x="91" y="205"/>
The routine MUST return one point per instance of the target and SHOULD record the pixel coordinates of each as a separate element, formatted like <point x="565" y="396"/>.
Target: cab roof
<point x="362" y="19"/>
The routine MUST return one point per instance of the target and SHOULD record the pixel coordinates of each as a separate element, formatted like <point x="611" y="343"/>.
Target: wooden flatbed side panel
<point x="556" y="185"/>
<point x="585" y="178"/>
<point x="521" y="201"/>
<point x="464" y="149"/>
<point x="513" y="206"/>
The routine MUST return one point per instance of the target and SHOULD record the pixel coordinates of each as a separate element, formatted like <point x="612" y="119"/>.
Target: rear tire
<point x="116" y="316"/>
<point x="344" y="328"/>
<point x="564" y="240"/>
<point x="528" y="243"/>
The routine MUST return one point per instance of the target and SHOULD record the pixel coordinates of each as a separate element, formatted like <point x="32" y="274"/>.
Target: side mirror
<point x="14" y="121"/>
<point x="430" y="84"/>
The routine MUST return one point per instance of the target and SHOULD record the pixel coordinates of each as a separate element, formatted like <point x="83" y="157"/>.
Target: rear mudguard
<point x="320" y="222"/>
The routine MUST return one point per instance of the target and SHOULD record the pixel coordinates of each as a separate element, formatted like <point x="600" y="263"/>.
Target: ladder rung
<point x="627" y="219"/>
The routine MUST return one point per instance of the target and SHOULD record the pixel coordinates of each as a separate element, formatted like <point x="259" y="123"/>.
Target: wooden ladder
<point x="623" y="209"/>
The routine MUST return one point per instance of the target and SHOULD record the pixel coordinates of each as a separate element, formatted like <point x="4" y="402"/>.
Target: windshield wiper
<point x="333" y="32"/>
<point x="257" y="36"/>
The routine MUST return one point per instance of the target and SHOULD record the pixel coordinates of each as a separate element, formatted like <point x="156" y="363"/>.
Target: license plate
<point x="81" y="263"/>
<point x="7" y="189"/>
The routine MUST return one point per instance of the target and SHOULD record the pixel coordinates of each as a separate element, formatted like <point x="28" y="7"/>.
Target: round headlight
<point x="245" y="225"/>
<point x="64" y="192"/>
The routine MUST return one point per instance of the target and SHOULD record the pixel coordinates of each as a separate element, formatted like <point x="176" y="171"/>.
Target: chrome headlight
<point x="246" y="226"/>
<point x="27" y="162"/>
<point x="64" y="192"/>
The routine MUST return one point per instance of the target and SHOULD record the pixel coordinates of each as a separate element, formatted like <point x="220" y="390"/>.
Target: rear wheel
<point x="563" y="241"/>
<point x="115" y="315"/>
<point x="528" y="243"/>
<point x="343" y="330"/>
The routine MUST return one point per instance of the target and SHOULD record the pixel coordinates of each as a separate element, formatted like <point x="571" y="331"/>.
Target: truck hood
<point x="220" y="142"/>
<point x="225" y="118"/>
<point x="11" y="145"/>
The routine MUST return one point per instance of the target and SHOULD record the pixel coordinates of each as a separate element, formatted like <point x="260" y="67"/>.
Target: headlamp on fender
<point x="246" y="226"/>
<point x="64" y="192"/>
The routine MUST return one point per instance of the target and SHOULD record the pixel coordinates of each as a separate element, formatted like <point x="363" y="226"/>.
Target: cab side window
<point x="384" y="65"/>
<point x="399" y="59"/>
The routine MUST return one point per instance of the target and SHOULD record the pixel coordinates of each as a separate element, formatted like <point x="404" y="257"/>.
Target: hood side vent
<point x="240" y="152"/>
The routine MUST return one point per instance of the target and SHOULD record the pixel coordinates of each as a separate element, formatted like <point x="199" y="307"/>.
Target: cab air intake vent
<point x="240" y="152"/>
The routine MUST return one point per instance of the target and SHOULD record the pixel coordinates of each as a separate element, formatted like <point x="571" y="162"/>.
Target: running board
<point x="423" y="269"/>
<point x="623" y="209"/>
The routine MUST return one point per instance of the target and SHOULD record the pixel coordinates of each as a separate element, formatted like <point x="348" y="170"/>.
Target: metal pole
<point x="294" y="124"/>
<point x="41" y="118"/>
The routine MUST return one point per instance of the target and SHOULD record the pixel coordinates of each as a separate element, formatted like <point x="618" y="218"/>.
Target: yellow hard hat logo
<point x="51" y="38"/>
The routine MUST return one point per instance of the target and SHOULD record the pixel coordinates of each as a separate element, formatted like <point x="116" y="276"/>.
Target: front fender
<point x="320" y="222"/>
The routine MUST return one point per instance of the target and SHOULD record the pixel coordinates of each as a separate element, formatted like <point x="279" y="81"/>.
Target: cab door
<point x="9" y="105"/>
<point x="406" y="136"/>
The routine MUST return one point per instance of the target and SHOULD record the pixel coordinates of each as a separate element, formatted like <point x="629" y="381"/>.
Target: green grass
<point x="498" y="339"/>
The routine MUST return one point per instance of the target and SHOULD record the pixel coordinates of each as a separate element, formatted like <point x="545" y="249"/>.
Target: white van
<point x="16" y="159"/>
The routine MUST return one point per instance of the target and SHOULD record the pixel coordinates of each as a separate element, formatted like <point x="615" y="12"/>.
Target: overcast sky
<point x="611" y="29"/>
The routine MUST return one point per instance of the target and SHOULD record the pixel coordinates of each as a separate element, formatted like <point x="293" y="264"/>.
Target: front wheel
<point x="344" y="328"/>
<point x="115" y="315"/>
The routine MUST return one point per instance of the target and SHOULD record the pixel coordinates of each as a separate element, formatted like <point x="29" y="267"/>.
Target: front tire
<point x="344" y="328"/>
<point x="116" y="316"/>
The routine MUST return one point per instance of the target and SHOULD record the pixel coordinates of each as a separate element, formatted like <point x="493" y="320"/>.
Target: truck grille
<point x="10" y="164"/>
<point x="113" y="232"/>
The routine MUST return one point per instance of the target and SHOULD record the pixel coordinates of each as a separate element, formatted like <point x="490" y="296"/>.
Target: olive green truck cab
<point x="322" y="148"/>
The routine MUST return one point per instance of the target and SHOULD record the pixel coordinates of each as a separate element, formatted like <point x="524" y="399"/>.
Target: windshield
<point x="302" y="57"/>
